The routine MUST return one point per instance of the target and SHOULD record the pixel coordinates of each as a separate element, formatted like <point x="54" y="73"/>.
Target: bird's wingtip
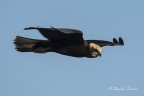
<point x="28" y="28"/>
<point x="121" y="42"/>
<point x="115" y="41"/>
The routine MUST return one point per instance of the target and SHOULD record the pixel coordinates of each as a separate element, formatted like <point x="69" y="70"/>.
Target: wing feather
<point x="108" y="43"/>
<point x="62" y="35"/>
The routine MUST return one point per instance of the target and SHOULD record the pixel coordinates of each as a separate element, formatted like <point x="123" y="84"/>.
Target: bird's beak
<point x="100" y="55"/>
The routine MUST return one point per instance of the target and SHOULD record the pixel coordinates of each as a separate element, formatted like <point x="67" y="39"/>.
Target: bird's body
<point x="63" y="41"/>
<point x="76" y="50"/>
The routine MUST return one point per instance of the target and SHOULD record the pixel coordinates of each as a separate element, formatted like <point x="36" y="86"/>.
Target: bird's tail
<point x="30" y="45"/>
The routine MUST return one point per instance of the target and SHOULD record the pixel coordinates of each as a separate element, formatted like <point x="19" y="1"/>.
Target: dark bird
<point x="63" y="41"/>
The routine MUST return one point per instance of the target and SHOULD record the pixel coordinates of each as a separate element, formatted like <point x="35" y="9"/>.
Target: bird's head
<point x="95" y="50"/>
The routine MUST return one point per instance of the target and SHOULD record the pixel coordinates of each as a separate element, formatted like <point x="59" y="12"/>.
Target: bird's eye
<point x="96" y="50"/>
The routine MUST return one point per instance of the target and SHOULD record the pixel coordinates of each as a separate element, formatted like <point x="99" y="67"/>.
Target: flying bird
<point x="64" y="41"/>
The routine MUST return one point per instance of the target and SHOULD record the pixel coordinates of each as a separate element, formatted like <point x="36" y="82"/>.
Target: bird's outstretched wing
<point x="108" y="43"/>
<point x="62" y="35"/>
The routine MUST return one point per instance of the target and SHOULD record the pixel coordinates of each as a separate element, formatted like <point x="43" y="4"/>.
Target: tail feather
<point x="24" y="44"/>
<point x="32" y="45"/>
<point x="23" y="40"/>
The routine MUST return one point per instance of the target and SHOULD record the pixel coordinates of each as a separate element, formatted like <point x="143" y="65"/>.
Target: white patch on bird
<point x="93" y="46"/>
<point x="94" y="54"/>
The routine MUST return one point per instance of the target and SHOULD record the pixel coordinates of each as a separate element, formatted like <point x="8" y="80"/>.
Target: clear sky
<point x="51" y="74"/>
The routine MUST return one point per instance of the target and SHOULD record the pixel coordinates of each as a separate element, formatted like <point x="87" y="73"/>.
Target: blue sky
<point x="51" y="74"/>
